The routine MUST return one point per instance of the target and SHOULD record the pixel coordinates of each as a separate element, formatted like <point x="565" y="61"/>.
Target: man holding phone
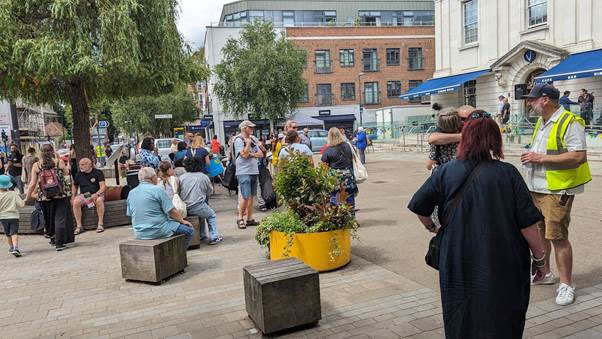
<point x="557" y="171"/>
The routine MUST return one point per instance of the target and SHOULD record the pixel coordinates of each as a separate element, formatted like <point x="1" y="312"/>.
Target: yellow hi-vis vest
<point x="565" y="178"/>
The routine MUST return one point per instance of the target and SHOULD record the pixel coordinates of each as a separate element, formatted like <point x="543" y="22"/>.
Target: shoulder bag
<point x="359" y="170"/>
<point x="433" y="252"/>
<point x="177" y="201"/>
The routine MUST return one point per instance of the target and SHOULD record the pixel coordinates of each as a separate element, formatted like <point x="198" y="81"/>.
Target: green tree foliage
<point x="261" y="73"/>
<point x="137" y="114"/>
<point x="80" y="51"/>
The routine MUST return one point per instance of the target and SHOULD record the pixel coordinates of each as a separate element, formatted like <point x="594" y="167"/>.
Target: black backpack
<point x="267" y="191"/>
<point x="230" y="181"/>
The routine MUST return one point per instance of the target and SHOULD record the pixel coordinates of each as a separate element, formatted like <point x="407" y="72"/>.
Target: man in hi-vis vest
<point x="557" y="170"/>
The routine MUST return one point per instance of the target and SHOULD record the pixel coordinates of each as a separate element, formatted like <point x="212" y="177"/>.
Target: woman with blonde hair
<point x="339" y="157"/>
<point x="198" y="150"/>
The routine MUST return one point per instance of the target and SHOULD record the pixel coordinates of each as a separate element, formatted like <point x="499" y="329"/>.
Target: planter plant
<point x="308" y="227"/>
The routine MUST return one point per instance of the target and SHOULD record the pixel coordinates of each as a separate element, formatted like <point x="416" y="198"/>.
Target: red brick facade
<point x="334" y="39"/>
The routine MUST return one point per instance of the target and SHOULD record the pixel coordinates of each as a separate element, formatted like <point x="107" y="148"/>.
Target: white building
<point x="487" y="48"/>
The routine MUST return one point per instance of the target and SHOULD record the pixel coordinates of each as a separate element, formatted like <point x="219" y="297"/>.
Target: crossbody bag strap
<point x="458" y="196"/>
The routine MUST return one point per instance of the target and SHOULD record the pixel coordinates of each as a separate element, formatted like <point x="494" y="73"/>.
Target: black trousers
<point x="58" y="218"/>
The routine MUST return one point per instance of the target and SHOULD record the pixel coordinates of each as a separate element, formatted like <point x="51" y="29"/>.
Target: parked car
<point x="318" y="137"/>
<point x="163" y="147"/>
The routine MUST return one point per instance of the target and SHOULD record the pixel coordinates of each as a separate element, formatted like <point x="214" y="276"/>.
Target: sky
<point x="195" y="15"/>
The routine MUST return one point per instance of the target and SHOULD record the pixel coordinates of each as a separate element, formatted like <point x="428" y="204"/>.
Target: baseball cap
<point x="246" y="123"/>
<point x="544" y="90"/>
<point x="280" y="135"/>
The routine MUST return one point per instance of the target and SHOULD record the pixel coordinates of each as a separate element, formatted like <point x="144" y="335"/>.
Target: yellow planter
<point x="323" y="251"/>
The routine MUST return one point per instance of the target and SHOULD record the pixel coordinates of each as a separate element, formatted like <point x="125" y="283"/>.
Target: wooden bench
<point x="197" y="224"/>
<point x="114" y="216"/>
<point x="282" y="294"/>
<point x="153" y="260"/>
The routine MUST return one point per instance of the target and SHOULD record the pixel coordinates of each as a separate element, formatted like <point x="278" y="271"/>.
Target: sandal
<point x="78" y="230"/>
<point x="100" y="229"/>
<point x="241" y="224"/>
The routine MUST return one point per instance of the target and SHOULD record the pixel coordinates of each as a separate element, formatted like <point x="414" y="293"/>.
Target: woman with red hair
<point x="488" y="238"/>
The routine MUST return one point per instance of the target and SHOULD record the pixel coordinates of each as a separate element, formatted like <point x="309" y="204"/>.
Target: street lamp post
<point x="359" y="85"/>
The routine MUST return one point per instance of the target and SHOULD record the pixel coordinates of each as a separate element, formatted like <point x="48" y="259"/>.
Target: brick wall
<point x="334" y="39"/>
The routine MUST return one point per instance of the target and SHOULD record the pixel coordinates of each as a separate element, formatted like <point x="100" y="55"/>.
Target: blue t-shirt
<point x="301" y="148"/>
<point x="149" y="207"/>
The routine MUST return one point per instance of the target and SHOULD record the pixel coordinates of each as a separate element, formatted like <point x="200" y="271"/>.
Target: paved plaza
<point x="385" y="292"/>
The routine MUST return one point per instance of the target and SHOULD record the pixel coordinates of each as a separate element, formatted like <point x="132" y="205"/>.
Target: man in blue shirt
<point x="565" y="102"/>
<point x="153" y="214"/>
<point x="361" y="144"/>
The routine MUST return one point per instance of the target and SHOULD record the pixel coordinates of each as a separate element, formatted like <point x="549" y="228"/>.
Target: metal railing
<point x="329" y="24"/>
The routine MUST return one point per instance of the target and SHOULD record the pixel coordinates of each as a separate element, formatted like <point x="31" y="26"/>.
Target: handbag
<point x="433" y="253"/>
<point x="177" y="201"/>
<point x="359" y="170"/>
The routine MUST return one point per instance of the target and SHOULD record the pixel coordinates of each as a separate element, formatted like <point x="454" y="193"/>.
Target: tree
<point x="80" y="51"/>
<point x="261" y="74"/>
<point x="137" y="114"/>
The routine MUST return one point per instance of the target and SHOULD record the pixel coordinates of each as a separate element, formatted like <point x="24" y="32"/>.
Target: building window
<point x="346" y="57"/>
<point x="330" y="16"/>
<point x="414" y="84"/>
<point x="323" y="64"/>
<point x="471" y="21"/>
<point x="371" y="94"/>
<point x="393" y="56"/>
<point x="369" y="18"/>
<point x="305" y="96"/>
<point x="288" y="18"/>
<point x="538" y="12"/>
<point x="324" y="95"/>
<point x="415" y="59"/>
<point x="370" y="60"/>
<point x="348" y="91"/>
<point x="393" y="89"/>
<point x="470" y="93"/>
<point x="255" y="15"/>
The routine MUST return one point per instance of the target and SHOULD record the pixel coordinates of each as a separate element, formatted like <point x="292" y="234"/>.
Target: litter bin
<point x="132" y="178"/>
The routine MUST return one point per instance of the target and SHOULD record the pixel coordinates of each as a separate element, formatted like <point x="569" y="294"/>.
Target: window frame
<point x="318" y="94"/>
<point x="411" y="58"/>
<point x="327" y="68"/>
<point x="351" y="51"/>
<point x="390" y="93"/>
<point x="475" y="23"/>
<point x="417" y="83"/>
<point x="398" y="58"/>
<point x="305" y="97"/>
<point x="375" y="90"/>
<point x="543" y="3"/>
<point x="469" y="90"/>
<point x="377" y="61"/>
<point x="350" y="84"/>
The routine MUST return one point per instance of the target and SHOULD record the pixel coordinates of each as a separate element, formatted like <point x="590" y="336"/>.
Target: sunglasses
<point x="294" y="127"/>
<point x="479" y="115"/>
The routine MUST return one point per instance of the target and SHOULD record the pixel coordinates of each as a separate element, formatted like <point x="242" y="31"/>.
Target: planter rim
<point x="340" y="229"/>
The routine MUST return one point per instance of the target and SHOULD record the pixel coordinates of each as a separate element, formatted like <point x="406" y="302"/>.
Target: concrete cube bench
<point x="197" y="224"/>
<point x="153" y="260"/>
<point x="282" y="294"/>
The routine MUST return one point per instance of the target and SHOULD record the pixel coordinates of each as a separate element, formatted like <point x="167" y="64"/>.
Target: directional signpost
<point x="103" y="124"/>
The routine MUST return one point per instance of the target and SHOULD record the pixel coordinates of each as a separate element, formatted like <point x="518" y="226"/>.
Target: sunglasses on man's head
<point x="294" y="127"/>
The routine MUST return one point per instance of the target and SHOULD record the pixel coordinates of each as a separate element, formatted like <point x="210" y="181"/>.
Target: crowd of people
<point x="488" y="258"/>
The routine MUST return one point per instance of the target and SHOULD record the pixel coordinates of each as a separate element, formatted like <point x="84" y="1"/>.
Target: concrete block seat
<point x="153" y="260"/>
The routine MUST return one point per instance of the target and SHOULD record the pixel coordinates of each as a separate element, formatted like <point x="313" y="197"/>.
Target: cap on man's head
<point x="501" y="97"/>
<point x="544" y="90"/>
<point x="246" y="123"/>
<point x="280" y="135"/>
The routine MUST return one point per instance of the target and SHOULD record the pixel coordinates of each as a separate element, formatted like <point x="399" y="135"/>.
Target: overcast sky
<point x="195" y="16"/>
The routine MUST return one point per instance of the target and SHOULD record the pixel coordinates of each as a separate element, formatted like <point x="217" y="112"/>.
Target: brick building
<point x="369" y="67"/>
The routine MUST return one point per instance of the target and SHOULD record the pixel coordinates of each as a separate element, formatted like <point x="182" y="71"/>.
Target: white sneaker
<point x="566" y="294"/>
<point x="549" y="279"/>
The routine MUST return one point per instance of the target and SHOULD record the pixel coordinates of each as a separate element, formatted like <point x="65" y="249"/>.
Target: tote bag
<point x="359" y="171"/>
<point x="178" y="203"/>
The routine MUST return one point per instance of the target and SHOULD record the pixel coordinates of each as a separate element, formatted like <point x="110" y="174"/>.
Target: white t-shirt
<point x="301" y="148"/>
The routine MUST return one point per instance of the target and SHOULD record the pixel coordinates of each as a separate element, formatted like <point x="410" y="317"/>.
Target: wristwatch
<point x="431" y="226"/>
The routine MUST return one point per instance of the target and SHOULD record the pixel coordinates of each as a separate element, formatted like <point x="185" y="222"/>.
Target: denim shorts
<point x="247" y="184"/>
<point x="11" y="226"/>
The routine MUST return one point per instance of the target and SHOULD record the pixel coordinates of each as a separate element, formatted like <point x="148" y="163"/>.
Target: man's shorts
<point x="11" y="226"/>
<point x="556" y="210"/>
<point x="247" y="184"/>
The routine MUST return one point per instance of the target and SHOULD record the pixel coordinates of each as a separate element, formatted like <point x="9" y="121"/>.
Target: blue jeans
<point x="187" y="231"/>
<point x="334" y="199"/>
<point x="203" y="210"/>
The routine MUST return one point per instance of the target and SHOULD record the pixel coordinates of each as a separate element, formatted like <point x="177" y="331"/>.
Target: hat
<point x="280" y="135"/>
<point x="544" y="90"/>
<point x="360" y="129"/>
<point x="246" y="123"/>
<point x="5" y="182"/>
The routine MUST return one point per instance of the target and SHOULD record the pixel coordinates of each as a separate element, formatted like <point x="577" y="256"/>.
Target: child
<point x="10" y="203"/>
<point x="449" y="122"/>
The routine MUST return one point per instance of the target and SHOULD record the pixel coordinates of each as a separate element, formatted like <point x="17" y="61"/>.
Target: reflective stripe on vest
<point x="562" y="179"/>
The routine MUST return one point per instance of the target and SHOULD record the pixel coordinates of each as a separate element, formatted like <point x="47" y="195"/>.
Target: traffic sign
<point x="103" y="124"/>
<point x="163" y="116"/>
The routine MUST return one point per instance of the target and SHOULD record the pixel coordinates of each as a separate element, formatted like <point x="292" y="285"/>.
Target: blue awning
<point x="579" y="65"/>
<point x="442" y="85"/>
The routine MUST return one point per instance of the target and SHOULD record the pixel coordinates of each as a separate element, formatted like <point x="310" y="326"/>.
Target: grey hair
<point x="146" y="173"/>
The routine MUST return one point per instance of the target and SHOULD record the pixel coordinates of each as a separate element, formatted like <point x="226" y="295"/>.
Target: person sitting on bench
<point x="153" y="214"/>
<point x="91" y="184"/>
